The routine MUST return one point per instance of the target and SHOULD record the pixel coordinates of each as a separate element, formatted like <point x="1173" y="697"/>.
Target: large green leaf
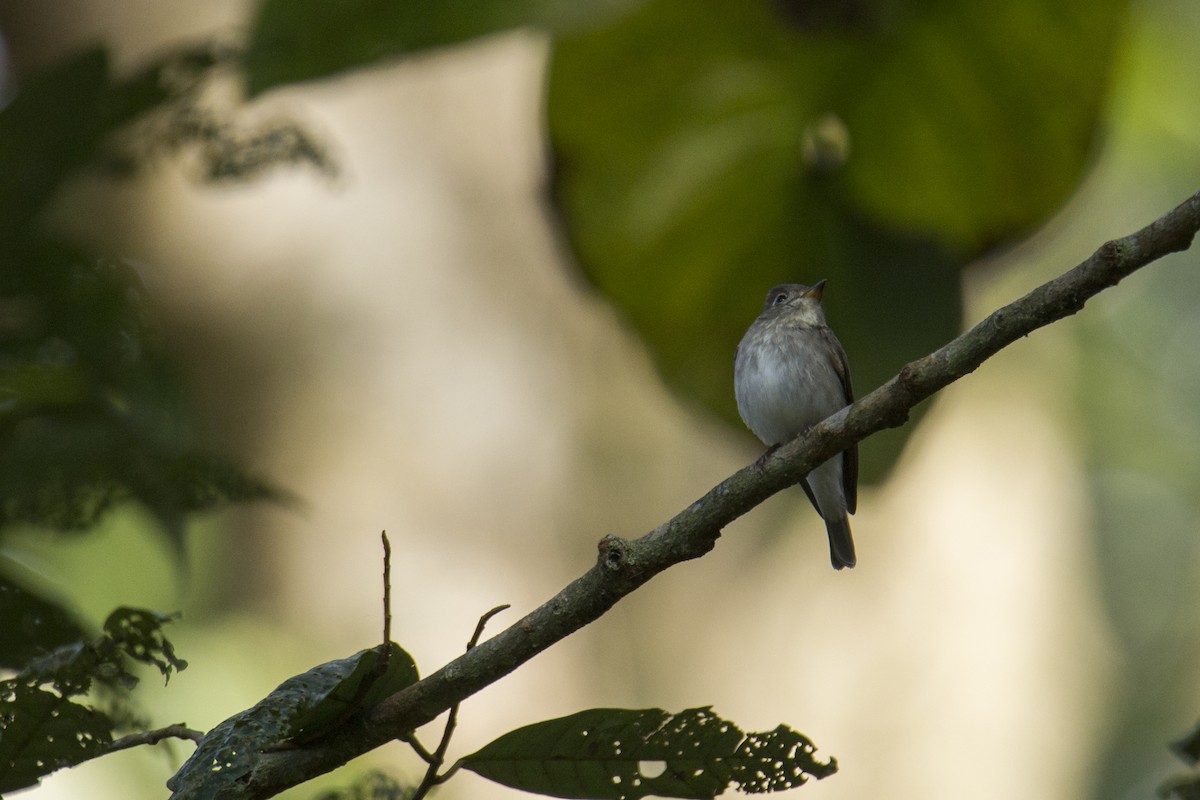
<point x="375" y="677"/>
<point x="626" y="754"/>
<point x="299" y="40"/>
<point x="307" y="704"/>
<point x="707" y="152"/>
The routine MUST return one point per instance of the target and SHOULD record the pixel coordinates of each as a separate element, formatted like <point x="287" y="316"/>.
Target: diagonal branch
<point x="624" y="565"/>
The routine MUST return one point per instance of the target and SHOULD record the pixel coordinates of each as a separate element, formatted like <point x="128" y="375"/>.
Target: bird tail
<point x="841" y="545"/>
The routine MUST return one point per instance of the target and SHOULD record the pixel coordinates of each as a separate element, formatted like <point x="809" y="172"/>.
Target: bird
<point x="790" y="372"/>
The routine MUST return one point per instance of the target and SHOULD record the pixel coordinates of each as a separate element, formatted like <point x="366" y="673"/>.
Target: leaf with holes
<point x="139" y="633"/>
<point x="129" y="633"/>
<point x="231" y="750"/>
<point x="42" y="731"/>
<point x="625" y="754"/>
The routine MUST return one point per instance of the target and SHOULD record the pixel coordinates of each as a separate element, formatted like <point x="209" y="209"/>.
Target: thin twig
<point x="178" y="731"/>
<point x="483" y="621"/>
<point x="412" y="741"/>
<point x="385" y="656"/>
<point x="438" y="757"/>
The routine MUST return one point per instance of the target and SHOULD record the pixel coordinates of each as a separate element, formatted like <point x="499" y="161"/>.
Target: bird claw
<point x="770" y="451"/>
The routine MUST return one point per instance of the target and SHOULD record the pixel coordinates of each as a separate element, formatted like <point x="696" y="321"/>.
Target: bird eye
<point x="780" y="299"/>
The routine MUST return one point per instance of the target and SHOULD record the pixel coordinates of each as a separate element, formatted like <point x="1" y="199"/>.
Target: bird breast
<point x="785" y="383"/>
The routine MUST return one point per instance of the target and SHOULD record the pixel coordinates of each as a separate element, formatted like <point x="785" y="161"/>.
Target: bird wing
<point x="812" y="498"/>
<point x="849" y="456"/>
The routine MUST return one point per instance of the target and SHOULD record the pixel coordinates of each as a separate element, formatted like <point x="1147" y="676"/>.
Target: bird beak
<point x="817" y="290"/>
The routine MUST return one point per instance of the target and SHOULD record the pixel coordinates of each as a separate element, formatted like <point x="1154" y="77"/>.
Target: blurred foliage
<point x="1185" y="786"/>
<point x="1138" y="371"/>
<point x="200" y="119"/>
<point x="31" y="625"/>
<point x="1188" y="748"/>
<point x="312" y="700"/>
<point x="626" y="754"/>
<point x="42" y="729"/>
<point x="92" y="409"/>
<point x="372" y="785"/>
<point x="300" y="40"/>
<point x="705" y="154"/>
<point x="55" y="126"/>
<point x="93" y="412"/>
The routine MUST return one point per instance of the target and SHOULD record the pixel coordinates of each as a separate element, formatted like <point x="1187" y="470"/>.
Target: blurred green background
<point x="504" y="326"/>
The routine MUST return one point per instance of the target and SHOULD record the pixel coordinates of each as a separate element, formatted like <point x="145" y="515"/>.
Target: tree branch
<point x="625" y="565"/>
<point x="179" y="730"/>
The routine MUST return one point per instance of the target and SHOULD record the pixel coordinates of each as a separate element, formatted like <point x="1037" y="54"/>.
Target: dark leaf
<point x="50" y="129"/>
<point x="31" y="625"/>
<point x="42" y="731"/>
<point x="626" y="754"/>
<point x="1188" y="748"/>
<point x="299" y="40"/>
<point x="1186" y="787"/>
<point x="129" y="633"/>
<point x="230" y="750"/>
<point x="92" y="411"/>
<point x="61" y="119"/>
<point x="138" y="633"/>
<point x="371" y="681"/>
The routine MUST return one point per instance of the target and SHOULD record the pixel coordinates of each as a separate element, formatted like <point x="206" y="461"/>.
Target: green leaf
<point x="61" y="118"/>
<point x="299" y="40"/>
<point x="371" y="680"/>
<point x="50" y="129"/>
<point x="626" y="754"/>
<point x="42" y="731"/>
<point x="64" y="117"/>
<point x="706" y="153"/>
<point x="31" y="624"/>
<point x="230" y="750"/>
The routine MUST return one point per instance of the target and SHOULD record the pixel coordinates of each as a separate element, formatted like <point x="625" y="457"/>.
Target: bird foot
<point x="769" y="452"/>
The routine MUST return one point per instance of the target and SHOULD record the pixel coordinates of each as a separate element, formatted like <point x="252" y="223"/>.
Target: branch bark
<point x="179" y="730"/>
<point x="624" y="565"/>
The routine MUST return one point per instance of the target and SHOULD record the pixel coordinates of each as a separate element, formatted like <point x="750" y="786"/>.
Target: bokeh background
<point x="416" y="343"/>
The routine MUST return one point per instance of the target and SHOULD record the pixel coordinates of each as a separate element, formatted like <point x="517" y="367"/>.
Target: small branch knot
<point x="613" y="553"/>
